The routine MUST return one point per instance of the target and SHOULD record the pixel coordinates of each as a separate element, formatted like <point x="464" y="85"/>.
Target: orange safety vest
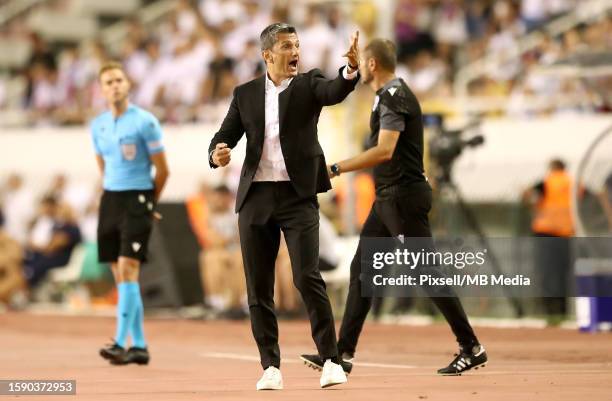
<point x="553" y="214"/>
<point x="365" y="195"/>
<point x="197" y="211"/>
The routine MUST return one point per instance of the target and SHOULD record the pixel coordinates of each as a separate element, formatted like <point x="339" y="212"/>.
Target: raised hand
<point x="353" y="52"/>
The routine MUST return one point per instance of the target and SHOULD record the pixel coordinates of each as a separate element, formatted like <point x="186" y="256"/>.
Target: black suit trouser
<point x="269" y="208"/>
<point x="405" y="215"/>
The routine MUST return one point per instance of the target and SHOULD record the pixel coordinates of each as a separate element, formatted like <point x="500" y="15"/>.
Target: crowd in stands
<point x="39" y="231"/>
<point x="435" y="41"/>
<point x="185" y="66"/>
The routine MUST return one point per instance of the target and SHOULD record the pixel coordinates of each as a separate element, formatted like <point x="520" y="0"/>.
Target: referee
<point x="127" y="143"/>
<point x="403" y="200"/>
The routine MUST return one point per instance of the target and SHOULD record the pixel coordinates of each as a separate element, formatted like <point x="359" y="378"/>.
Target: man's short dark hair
<point x="49" y="200"/>
<point x="269" y="35"/>
<point x="557" y="164"/>
<point x="222" y="189"/>
<point x="384" y="52"/>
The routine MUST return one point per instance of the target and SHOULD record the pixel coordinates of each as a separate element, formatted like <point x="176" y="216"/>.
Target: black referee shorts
<point x="124" y="225"/>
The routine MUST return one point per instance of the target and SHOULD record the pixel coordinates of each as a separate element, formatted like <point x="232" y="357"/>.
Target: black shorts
<point x="124" y="225"/>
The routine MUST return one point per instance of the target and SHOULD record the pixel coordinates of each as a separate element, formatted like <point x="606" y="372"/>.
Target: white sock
<point x="217" y="302"/>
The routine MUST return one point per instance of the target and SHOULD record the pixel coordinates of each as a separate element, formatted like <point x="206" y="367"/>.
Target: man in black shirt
<point x="403" y="200"/>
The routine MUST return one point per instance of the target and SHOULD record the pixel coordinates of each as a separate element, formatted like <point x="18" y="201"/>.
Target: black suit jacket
<point x="299" y="109"/>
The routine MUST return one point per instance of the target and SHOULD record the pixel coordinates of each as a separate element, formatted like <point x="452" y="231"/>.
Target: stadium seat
<point x="72" y="271"/>
<point x="55" y="26"/>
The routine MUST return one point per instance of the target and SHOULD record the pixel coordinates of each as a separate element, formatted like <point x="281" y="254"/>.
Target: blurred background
<point x="508" y="88"/>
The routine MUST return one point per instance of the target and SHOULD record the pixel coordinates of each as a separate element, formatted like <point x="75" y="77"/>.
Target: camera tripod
<point x="446" y="184"/>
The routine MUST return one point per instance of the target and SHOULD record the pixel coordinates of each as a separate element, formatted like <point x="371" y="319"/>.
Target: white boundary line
<point x="251" y="358"/>
<point x="518" y="372"/>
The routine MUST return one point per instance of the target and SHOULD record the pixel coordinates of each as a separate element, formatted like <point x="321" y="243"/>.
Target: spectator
<point x="216" y="12"/>
<point x="11" y="276"/>
<point x="250" y="64"/>
<point x="221" y="267"/>
<point x="221" y="79"/>
<point x="476" y="18"/>
<point x="54" y="236"/>
<point x="46" y="97"/>
<point x="341" y="29"/>
<point x="42" y="58"/>
<point x="182" y="85"/>
<point x="411" y="27"/>
<point x="136" y="62"/>
<point x="160" y="67"/>
<point x="57" y="188"/>
<point x="186" y="18"/>
<point x="449" y="23"/>
<point x="314" y="41"/>
<point x="18" y="203"/>
<point x="504" y="41"/>
<point x="76" y="196"/>
<point x="551" y="201"/>
<point x="533" y="13"/>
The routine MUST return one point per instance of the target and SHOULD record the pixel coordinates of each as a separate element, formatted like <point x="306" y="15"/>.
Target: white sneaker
<point x="332" y="374"/>
<point x="271" y="379"/>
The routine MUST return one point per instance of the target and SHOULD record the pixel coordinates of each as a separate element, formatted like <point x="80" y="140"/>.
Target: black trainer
<point x="464" y="361"/>
<point x="114" y="353"/>
<point x="137" y="355"/>
<point x="316" y="362"/>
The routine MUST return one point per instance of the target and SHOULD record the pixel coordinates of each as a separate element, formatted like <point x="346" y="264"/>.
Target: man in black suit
<point x="284" y="169"/>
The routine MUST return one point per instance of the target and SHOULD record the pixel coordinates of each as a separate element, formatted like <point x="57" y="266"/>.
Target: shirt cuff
<point x="348" y="76"/>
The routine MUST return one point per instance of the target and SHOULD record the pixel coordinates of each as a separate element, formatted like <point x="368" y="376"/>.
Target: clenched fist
<point x="221" y="155"/>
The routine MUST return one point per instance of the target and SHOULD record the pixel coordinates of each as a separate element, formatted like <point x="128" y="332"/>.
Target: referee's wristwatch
<point x="335" y="169"/>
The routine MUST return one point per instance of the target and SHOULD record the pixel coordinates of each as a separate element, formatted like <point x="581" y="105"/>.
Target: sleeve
<point x="331" y="91"/>
<point x="346" y="75"/>
<point x="230" y="132"/>
<point x="94" y="141"/>
<point x="152" y="134"/>
<point x="391" y="120"/>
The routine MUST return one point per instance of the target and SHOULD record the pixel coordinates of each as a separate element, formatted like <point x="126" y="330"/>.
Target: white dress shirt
<point x="272" y="163"/>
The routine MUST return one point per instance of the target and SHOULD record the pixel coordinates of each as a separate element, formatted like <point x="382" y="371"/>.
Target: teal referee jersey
<point x="126" y="143"/>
